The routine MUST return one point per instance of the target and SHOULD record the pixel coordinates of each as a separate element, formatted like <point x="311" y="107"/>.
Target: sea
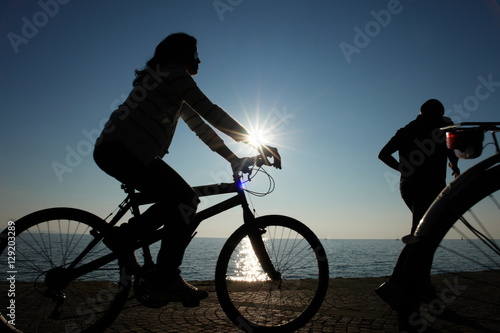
<point x="347" y="258"/>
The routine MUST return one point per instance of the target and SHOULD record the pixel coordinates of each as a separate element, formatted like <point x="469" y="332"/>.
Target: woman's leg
<point x="175" y="201"/>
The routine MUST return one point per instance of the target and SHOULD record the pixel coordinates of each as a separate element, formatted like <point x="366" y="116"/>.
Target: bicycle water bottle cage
<point x="467" y="143"/>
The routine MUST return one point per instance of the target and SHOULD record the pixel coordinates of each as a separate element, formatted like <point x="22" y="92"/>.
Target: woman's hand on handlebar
<point x="267" y="152"/>
<point x="242" y="164"/>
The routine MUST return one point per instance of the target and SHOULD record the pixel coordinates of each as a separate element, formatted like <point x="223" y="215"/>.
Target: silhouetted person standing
<point x="422" y="158"/>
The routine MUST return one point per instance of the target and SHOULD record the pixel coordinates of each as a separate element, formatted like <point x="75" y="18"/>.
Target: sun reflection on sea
<point x="246" y="265"/>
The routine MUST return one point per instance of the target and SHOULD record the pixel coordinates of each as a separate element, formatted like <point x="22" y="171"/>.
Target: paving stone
<point x="350" y="306"/>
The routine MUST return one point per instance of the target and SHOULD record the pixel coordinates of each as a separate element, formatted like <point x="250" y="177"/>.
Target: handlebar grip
<point x="258" y="161"/>
<point x="262" y="160"/>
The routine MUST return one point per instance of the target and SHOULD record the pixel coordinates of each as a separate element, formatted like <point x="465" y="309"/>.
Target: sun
<point x="258" y="137"/>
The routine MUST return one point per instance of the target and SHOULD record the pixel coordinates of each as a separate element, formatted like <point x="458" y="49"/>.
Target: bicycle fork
<point x="255" y="235"/>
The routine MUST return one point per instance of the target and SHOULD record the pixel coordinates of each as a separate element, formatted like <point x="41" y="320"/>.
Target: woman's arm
<point x="185" y="87"/>
<point x="207" y="134"/>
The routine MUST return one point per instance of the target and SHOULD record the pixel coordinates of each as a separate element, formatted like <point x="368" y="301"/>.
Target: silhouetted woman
<point x="138" y="135"/>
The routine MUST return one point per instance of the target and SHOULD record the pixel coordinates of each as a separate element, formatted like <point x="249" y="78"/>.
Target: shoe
<point x="179" y="291"/>
<point x="410" y="239"/>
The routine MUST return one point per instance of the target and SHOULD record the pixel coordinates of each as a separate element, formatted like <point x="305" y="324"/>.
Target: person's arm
<point x="386" y="154"/>
<point x="453" y="163"/>
<point x="207" y="134"/>
<point x="199" y="105"/>
<point x="185" y="87"/>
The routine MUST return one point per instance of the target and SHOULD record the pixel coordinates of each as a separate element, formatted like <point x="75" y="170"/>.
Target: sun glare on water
<point x="246" y="266"/>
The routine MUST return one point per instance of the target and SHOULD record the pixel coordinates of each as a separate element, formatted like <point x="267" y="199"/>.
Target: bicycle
<point x="65" y="279"/>
<point x="459" y="235"/>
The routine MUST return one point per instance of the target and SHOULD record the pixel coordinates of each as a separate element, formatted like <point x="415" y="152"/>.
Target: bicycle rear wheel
<point x="464" y="239"/>
<point x="250" y="298"/>
<point x="36" y="292"/>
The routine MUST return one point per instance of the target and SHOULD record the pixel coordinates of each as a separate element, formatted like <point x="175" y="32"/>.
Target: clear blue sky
<point x="333" y="80"/>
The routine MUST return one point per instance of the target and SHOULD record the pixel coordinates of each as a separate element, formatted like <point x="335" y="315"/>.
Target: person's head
<point x="178" y="48"/>
<point x="432" y="107"/>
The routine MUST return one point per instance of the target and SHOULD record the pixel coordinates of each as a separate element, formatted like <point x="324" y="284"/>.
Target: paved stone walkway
<point x="350" y="306"/>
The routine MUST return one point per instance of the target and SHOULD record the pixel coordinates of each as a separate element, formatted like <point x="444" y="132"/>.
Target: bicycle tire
<point x="250" y="299"/>
<point x="45" y="243"/>
<point x="463" y="239"/>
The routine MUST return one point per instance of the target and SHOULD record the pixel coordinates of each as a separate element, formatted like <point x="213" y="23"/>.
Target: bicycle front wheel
<point x="464" y="239"/>
<point x="37" y="290"/>
<point x="250" y="298"/>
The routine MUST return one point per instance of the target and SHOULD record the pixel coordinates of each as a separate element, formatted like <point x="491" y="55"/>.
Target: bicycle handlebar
<point x="486" y="126"/>
<point x="266" y="153"/>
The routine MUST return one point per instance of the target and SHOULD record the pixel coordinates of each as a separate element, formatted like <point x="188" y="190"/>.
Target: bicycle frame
<point x="135" y="199"/>
<point x="429" y="222"/>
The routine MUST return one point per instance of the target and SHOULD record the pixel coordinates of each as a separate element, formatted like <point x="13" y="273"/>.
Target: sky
<point x="331" y="81"/>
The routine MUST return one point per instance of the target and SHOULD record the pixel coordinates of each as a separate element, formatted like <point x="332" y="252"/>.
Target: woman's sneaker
<point x="179" y="291"/>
